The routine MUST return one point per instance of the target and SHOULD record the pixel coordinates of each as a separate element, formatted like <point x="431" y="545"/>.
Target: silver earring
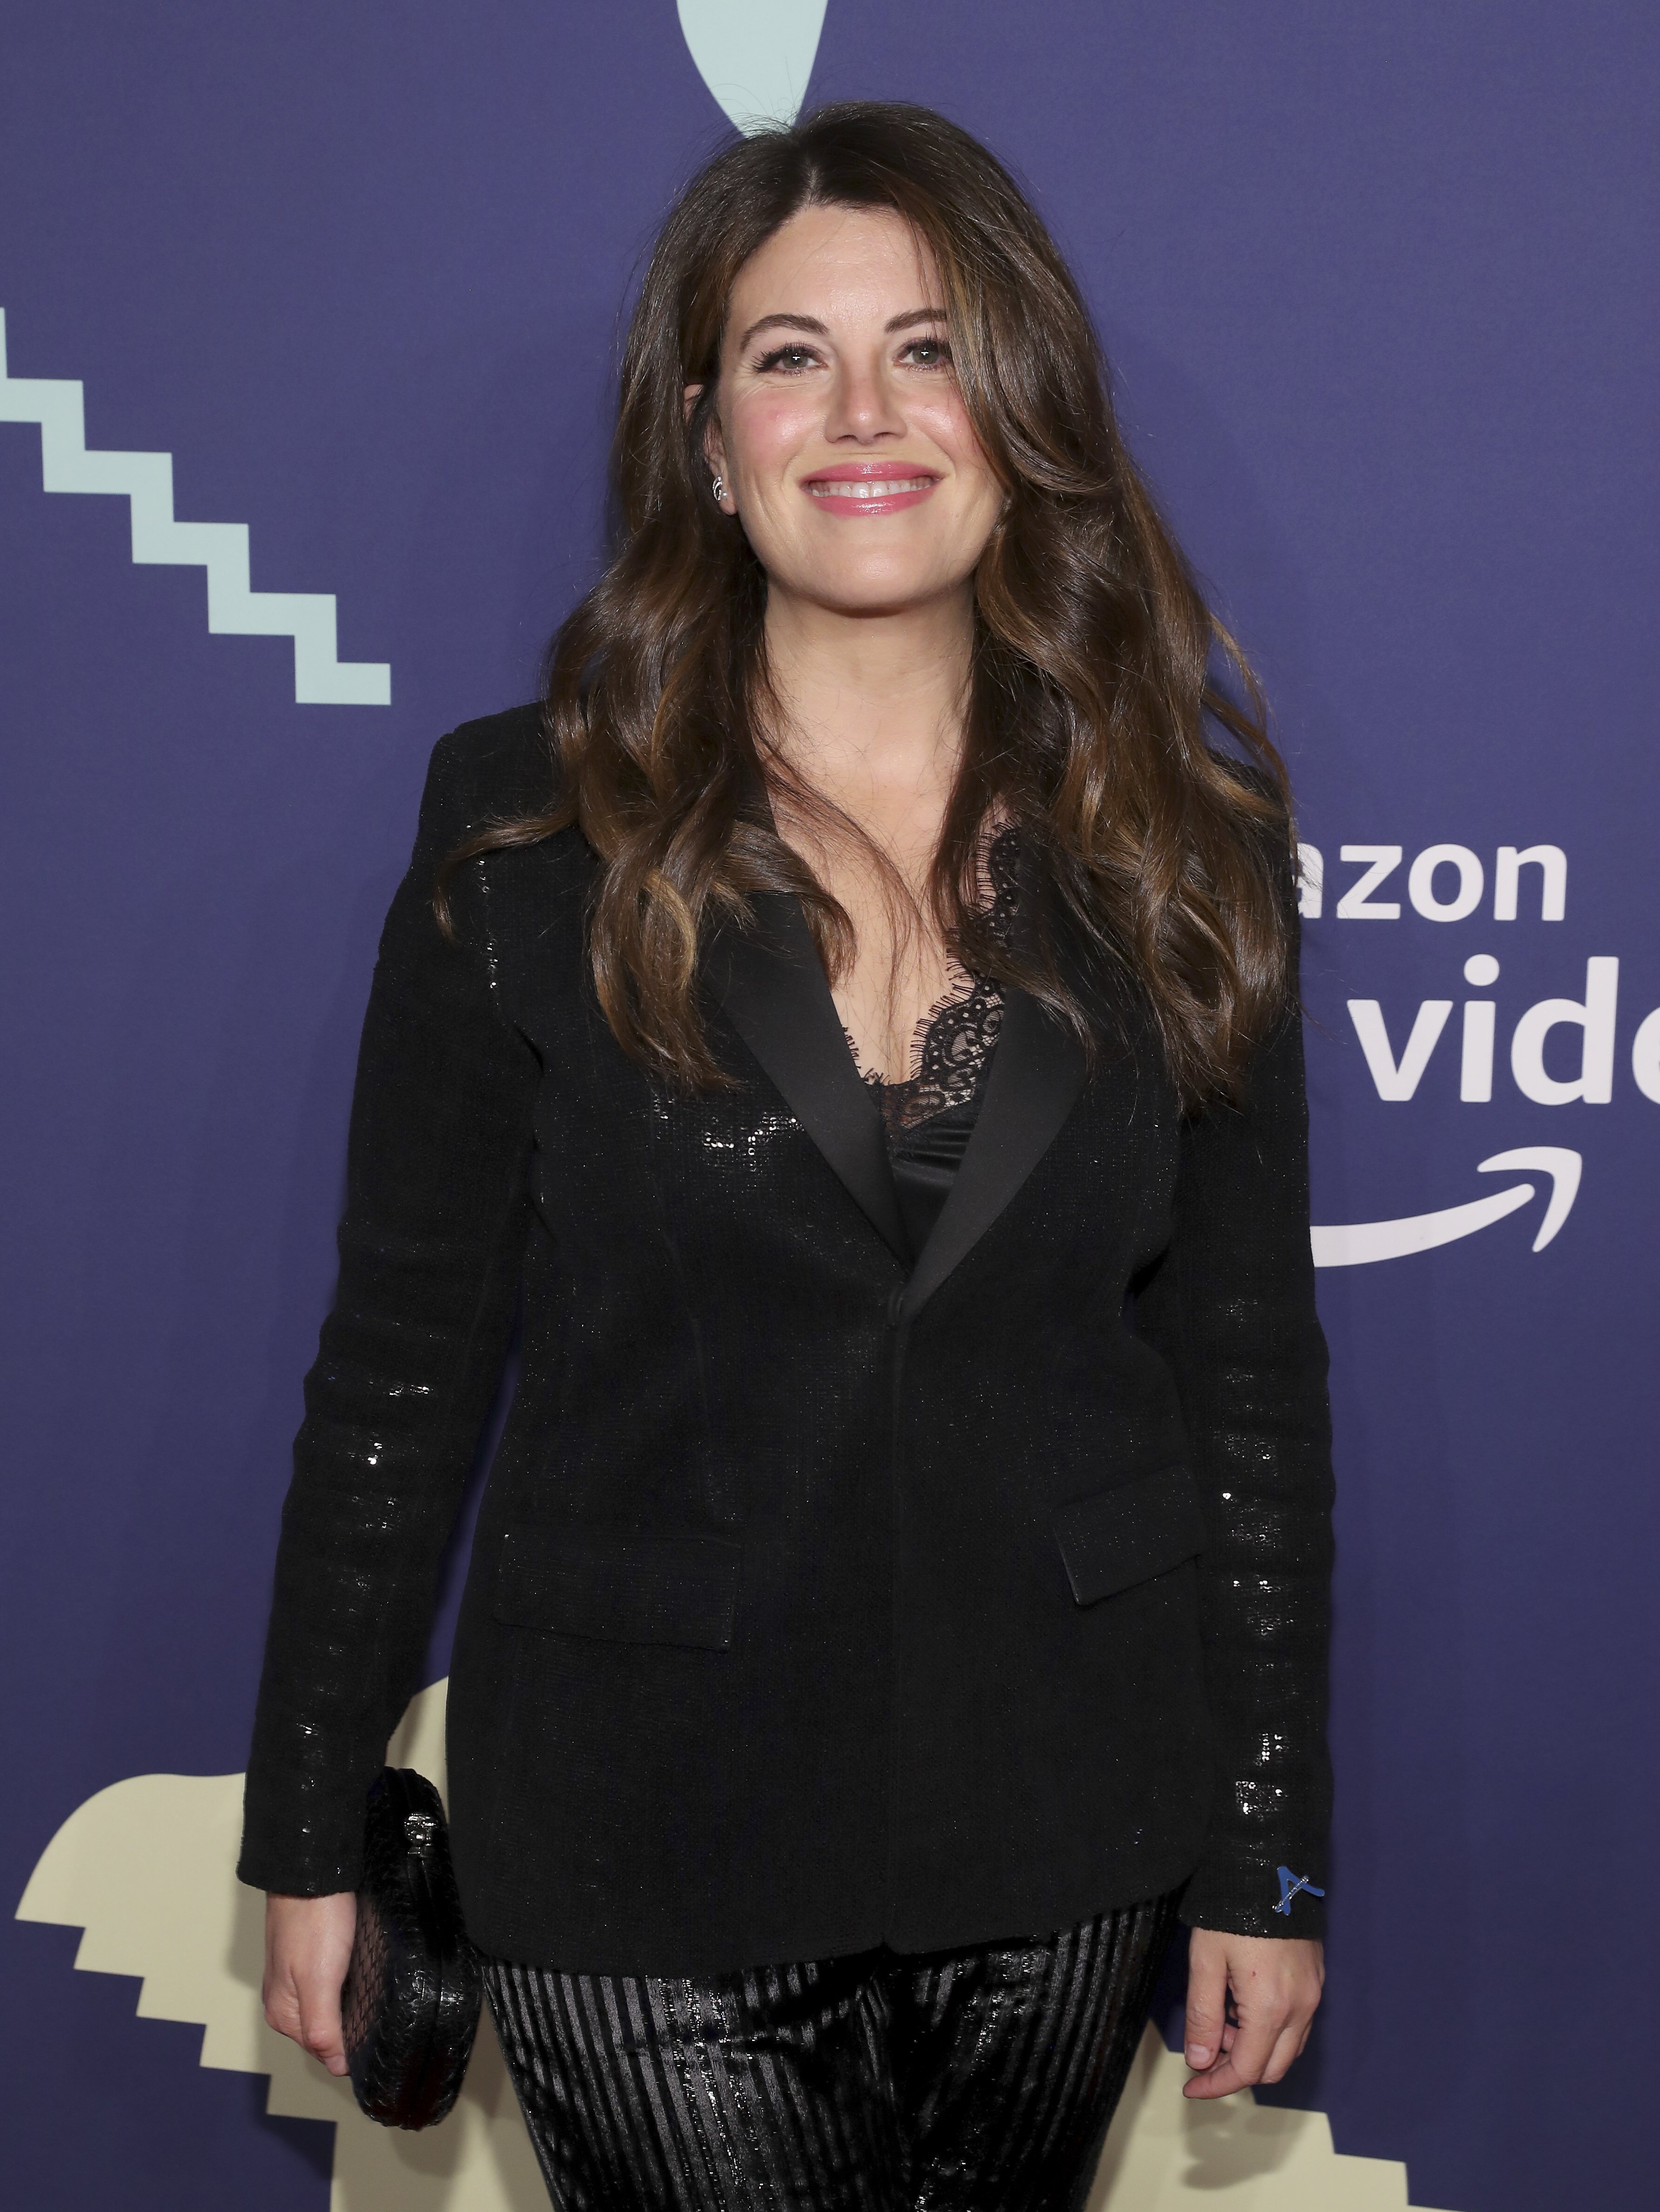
<point x="720" y="486"/>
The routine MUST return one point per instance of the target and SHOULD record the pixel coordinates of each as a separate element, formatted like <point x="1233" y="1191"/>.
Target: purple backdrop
<point x="1375" y="282"/>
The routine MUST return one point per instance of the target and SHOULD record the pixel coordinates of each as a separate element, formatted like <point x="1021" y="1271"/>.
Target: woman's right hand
<point x="308" y="1949"/>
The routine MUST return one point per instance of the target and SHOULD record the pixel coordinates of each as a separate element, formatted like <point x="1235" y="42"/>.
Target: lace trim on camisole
<point x="952" y="1043"/>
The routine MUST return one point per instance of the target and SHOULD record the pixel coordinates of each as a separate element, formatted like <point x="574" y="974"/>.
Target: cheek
<point x="946" y="419"/>
<point x="765" y="431"/>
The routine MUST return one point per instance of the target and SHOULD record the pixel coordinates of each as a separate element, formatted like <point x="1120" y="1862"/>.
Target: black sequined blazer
<point x="820" y="1596"/>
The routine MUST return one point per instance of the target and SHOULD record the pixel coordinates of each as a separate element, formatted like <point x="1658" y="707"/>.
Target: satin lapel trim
<point x="772" y="985"/>
<point x="1037" y="1074"/>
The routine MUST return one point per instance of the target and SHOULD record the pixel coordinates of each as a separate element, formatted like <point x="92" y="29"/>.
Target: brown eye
<point x="792" y="359"/>
<point x="928" y="353"/>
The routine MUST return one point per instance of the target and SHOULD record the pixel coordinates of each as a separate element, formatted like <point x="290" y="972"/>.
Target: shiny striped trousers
<point x="975" y="2079"/>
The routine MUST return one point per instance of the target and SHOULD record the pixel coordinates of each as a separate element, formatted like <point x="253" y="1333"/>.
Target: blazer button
<point x="896" y="1303"/>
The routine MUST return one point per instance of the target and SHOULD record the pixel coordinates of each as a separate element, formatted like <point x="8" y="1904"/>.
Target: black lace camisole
<point x="930" y="1113"/>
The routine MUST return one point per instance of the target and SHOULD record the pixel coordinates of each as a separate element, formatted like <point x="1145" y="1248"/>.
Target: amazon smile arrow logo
<point x="1362" y="1241"/>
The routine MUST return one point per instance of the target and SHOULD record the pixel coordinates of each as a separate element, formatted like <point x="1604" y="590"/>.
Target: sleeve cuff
<point x="1251" y="1900"/>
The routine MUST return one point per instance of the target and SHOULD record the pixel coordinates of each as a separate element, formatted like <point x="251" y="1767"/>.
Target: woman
<point x="854" y="1020"/>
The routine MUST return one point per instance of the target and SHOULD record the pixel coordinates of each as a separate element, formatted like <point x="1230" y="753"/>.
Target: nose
<point x="864" y="406"/>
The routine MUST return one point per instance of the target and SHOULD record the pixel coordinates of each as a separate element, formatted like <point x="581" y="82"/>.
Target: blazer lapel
<point x="1037" y="1074"/>
<point x="772" y="984"/>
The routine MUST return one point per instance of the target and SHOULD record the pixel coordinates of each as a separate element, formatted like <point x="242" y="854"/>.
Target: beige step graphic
<point x="147" y="1868"/>
<point x="1166" y="2151"/>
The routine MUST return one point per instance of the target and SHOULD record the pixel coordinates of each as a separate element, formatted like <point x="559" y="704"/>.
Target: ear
<point x="714" y="446"/>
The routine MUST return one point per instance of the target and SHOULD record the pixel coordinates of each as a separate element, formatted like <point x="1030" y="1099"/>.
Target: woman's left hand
<point x="1275" y="1981"/>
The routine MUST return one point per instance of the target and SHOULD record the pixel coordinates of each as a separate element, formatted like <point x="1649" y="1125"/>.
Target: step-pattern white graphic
<point x="57" y="405"/>
<point x="146" y="1868"/>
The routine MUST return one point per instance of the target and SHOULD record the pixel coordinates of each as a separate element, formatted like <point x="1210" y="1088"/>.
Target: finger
<point x="1207" y="1992"/>
<point x="282" y="2012"/>
<point x="1223" y="2079"/>
<point x="1288" y="2045"/>
<point x="320" y="2027"/>
<point x="1242" y="2066"/>
<point x="279" y="1998"/>
<point x="1257" y="2036"/>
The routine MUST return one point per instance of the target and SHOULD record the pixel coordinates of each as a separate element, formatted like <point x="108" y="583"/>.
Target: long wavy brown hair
<point x="1095" y="666"/>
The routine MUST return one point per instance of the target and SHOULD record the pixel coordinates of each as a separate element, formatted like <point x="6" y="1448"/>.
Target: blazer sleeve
<point x="1230" y="1306"/>
<point x="408" y="1360"/>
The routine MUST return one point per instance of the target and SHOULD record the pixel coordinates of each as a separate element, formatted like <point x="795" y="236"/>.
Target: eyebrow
<point x="822" y="331"/>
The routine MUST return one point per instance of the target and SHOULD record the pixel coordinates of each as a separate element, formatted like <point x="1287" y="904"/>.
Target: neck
<point x="873" y="704"/>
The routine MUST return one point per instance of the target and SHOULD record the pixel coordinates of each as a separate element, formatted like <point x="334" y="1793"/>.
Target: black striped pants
<point x="977" y="2080"/>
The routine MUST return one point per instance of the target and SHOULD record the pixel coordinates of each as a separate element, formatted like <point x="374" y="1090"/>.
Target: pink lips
<point x="858" y="488"/>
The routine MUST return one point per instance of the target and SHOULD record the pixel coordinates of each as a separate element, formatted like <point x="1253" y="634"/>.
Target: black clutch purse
<point x="414" y="1988"/>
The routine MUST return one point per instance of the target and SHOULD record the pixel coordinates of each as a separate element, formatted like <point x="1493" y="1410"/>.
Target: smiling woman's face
<point x="841" y="436"/>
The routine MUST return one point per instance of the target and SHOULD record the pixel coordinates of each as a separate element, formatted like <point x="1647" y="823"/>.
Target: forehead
<point x="837" y="264"/>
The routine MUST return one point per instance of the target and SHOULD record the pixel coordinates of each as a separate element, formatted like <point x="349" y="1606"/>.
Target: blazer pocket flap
<point x="625" y="1587"/>
<point x="1113" y="1538"/>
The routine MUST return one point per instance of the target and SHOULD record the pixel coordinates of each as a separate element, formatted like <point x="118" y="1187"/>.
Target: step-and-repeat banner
<point x="311" y="315"/>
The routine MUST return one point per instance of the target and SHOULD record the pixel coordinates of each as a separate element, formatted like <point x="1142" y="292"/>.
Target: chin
<point x="880" y="589"/>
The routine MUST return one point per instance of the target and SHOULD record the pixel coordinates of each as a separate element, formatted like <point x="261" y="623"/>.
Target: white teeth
<point x="863" y="488"/>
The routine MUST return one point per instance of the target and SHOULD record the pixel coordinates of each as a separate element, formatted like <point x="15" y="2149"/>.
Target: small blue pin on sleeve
<point x="1290" y="1883"/>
